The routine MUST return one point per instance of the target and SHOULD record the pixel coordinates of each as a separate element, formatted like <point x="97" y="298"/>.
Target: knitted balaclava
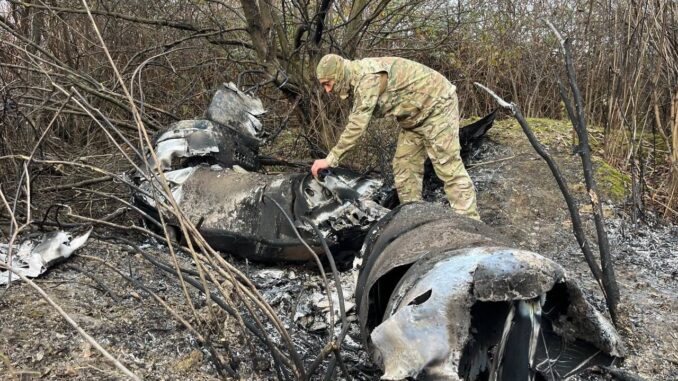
<point x="332" y="66"/>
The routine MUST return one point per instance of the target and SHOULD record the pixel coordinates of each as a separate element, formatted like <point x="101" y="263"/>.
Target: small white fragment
<point x="270" y="274"/>
<point x="31" y="260"/>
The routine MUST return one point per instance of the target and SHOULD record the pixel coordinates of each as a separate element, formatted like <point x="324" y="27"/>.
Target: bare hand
<point x="318" y="165"/>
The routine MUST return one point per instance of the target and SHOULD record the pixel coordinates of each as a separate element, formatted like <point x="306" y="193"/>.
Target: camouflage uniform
<point x="425" y="105"/>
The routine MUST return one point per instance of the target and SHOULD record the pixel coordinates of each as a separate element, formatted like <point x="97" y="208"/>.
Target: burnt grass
<point x="516" y="195"/>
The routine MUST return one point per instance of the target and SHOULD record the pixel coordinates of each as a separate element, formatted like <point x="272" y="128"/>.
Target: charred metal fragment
<point x="471" y="135"/>
<point x="207" y="164"/>
<point x="33" y="257"/>
<point x="402" y="237"/>
<point x="190" y="142"/>
<point x="237" y="111"/>
<point x="236" y="218"/>
<point x="440" y="296"/>
<point x="230" y="134"/>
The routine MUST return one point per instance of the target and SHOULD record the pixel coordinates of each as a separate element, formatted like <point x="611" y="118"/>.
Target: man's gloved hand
<point x="318" y="165"/>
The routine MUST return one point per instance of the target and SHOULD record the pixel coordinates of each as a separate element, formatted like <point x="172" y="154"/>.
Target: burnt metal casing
<point x="440" y="296"/>
<point x="234" y="211"/>
<point x="208" y="164"/>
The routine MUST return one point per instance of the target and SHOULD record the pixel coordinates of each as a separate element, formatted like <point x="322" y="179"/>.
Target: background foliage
<point x="173" y="54"/>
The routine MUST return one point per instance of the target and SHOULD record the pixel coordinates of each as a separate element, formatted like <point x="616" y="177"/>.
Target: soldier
<point x="425" y="105"/>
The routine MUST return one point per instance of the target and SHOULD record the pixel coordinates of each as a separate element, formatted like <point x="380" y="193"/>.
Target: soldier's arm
<point x="366" y="95"/>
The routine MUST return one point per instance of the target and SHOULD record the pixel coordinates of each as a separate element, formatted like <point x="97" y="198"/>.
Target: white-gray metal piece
<point x="33" y="258"/>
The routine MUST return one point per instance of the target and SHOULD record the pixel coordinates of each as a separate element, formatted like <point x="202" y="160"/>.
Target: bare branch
<point x="577" y="226"/>
<point x="509" y="106"/>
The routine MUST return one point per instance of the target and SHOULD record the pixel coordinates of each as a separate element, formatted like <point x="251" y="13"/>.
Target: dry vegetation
<point x="172" y="54"/>
<point x="84" y="84"/>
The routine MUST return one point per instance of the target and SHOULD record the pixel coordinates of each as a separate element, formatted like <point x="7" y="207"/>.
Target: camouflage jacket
<point x="389" y="86"/>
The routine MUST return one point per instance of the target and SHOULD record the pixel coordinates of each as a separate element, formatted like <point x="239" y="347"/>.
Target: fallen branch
<point x="83" y="183"/>
<point x="481" y="163"/>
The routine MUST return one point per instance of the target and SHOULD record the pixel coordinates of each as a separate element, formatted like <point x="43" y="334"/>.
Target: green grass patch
<point x="550" y="132"/>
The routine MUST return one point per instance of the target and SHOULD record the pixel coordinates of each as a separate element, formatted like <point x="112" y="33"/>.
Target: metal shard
<point x="234" y="109"/>
<point x="32" y="258"/>
<point x="191" y="142"/>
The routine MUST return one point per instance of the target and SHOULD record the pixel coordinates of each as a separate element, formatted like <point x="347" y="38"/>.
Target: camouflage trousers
<point x="438" y="138"/>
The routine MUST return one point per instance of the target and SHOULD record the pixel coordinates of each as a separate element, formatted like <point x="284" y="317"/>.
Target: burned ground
<point x="517" y="196"/>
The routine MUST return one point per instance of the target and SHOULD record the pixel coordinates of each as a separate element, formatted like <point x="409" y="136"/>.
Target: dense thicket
<point x="173" y="53"/>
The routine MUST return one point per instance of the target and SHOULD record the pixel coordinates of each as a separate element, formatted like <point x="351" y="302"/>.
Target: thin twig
<point x="82" y="183"/>
<point x="481" y="163"/>
<point x="340" y="295"/>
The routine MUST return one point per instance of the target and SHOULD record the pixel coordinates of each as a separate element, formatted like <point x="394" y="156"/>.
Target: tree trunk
<point x="353" y="27"/>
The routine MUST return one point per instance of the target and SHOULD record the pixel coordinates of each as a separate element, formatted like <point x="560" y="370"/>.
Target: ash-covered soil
<point x="519" y="197"/>
<point x="516" y="194"/>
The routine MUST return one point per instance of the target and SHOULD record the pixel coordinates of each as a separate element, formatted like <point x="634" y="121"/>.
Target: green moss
<point x="612" y="182"/>
<point x="550" y="132"/>
<point x="557" y="135"/>
<point x="506" y="131"/>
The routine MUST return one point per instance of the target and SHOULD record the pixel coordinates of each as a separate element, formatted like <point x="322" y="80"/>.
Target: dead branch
<point x="140" y="20"/>
<point x="142" y="130"/>
<point x="335" y="346"/>
<point x="577" y="226"/>
<point x="579" y="124"/>
<point x="320" y="21"/>
<point x="315" y="256"/>
<point x="96" y="180"/>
